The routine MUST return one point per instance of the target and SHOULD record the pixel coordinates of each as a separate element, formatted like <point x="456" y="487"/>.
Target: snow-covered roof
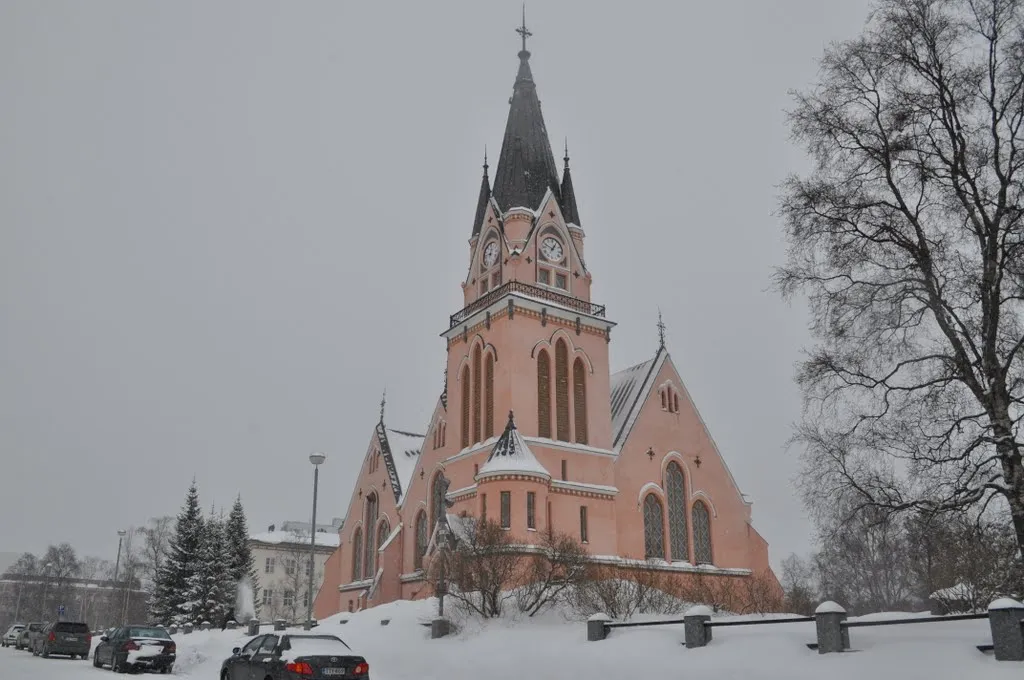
<point x="405" y="451"/>
<point x="626" y="388"/>
<point x="323" y="538"/>
<point x="511" y="454"/>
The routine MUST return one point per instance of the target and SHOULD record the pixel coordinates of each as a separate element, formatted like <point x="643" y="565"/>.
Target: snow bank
<point x="549" y="647"/>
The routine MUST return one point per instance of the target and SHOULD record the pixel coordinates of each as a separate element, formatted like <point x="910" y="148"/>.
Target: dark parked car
<point x="63" y="637"/>
<point x="24" y="639"/>
<point x="290" y="657"/>
<point x="132" y="648"/>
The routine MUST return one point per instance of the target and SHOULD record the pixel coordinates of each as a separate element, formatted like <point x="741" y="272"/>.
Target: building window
<point x="357" y="554"/>
<point x="675" y="490"/>
<point x="584" y="532"/>
<point x="544" y="276"/>
<point x="483" y="285"/>
<point x="476" y="394"/>
<point x="506" y="509"/>
<point x="383" y="531"/>
<point x="465" y="387"/>
<point x="565" y="470"/>
<point x="675" y="402"/>
<point x="495" y="279"/>
<point x="268" y="566"/>
<point x="309" y="569"/>
<point x="476" y="469"/>
<point x="289" y="567"/>
<point x="350" y="606"/>
<point x="551" y="521"/>
<point x="543" y="395"/>
<point x="421" y="539"/>
<point x="531" y="512"/>
<point x="268" y="597"/>
<point x="701" y="533"/>
<point x="654" y="528"/>
<point x="370" y="557"/>
<point x="305" y="598"/>
<point x="483" y="507"/>
<point x="562" y="390"/>
<point x="560" y="281"/>
<point x="579" y="396"/>
<point x="289" y="598"/>
<point x="489" y="396"/>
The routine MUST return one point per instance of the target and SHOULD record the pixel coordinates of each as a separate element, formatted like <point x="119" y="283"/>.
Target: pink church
<point x="532" y="429"/>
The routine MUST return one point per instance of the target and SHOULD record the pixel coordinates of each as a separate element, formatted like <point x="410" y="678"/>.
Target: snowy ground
<point x="553" y="648"/>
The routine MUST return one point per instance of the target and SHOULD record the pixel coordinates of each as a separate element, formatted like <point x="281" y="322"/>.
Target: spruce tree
<point x="210" y="591"/>
<point x="169" y="597"/>
<point x="237" y="534"/>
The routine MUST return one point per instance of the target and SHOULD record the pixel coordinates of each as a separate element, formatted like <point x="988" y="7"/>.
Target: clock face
<point x="491" y="254"/>
<point x="551" y="249"/>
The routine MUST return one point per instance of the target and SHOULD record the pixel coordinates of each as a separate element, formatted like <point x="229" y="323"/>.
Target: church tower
<point x="529" y="339"/>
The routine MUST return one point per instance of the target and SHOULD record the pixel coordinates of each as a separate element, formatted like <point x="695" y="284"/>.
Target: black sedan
<point x="132" y="648"/>
<point x="294" y="657"/>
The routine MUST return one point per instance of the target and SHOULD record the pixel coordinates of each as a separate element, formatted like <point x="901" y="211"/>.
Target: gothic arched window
<point x="701" y="533"/>
<point x="654" y="528"/>
<point x="357" y="554"/>
<point x="489" y="396"/>
<point x="369" y="559"/>
<point x="543" y="395"/>
<point x="464" y="386"/>
<point x="579" y="400"/>
<point x="383" y="531"/>
<point x="476" y="394"/>
<point x="436" y="500"/>
<point x="562" y="391"/>
<point x="675" y="402"/>
<point x="421" y="539"/>
<point x="675" y="489"/>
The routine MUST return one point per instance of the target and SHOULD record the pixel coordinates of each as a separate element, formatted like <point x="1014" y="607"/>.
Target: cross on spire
<point x="383" y="400"/>
<point x="661" y="331"/>
<point x="523" y="31"/>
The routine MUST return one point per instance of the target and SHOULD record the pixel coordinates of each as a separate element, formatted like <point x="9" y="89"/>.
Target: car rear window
<point x="295" y="647"/>
<point x="140" y="632"/>
<point x="69" y="627"/>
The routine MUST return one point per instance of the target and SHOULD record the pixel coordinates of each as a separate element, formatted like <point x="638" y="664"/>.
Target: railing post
<point x="695" y="627"/>
<point x="280" y="624"/>
<point x="254" y="627"/>
<point x="832" y="635"/>
<point x="187" y="628"/>
<point x="1004" y="618"/>
<point x="597" y="627"/>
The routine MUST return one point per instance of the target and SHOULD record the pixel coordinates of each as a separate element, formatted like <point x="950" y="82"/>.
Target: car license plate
<point x="71" y="638"/>
<point x="332" y="671"/>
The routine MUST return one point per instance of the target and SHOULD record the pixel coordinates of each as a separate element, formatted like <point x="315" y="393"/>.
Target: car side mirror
<point x="236" y="651"/>
<point x="104" y="638"/>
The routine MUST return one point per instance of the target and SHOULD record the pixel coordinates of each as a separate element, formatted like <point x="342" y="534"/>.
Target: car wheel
<point x="96" y="660"/>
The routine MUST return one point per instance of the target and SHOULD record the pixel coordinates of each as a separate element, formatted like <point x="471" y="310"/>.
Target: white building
<point x="281" y="557"/>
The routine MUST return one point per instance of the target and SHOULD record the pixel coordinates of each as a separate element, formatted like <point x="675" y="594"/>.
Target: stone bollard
<point x="279" y="624"/>
<point x="385" y="622"/>
<point x="597" y="628"/>
<point x="695" y="627"/>
<point x="1004" y="618"/>
<point x="205" y="625"/>
<point x="833" y="636"/>
<point x="231" y="625"/>
<point x="187" y="628"/>
<point x="439" y="628"/>
<point x="307" y="625"/>
<point x="254" y="627"/>
<point x="172" y="630"/>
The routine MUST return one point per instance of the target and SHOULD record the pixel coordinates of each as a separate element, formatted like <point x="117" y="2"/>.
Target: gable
<point x="401" y="450"/>
<point x="629" y="389"/>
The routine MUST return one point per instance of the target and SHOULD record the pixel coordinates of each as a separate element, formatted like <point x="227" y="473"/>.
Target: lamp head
<point x="317" y="458"/>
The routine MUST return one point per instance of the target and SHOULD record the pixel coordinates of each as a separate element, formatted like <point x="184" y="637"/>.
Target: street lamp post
<point x="317" y="459"/>
<point x="117" y="563"/>
<point x="46" y="585"/>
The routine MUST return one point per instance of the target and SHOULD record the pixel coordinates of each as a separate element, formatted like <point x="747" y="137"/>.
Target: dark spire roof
<point x="512" y="455"/>
<point x="526" y="166"/>
<point x="569" y="210"/>
<point x="481" y="203"/>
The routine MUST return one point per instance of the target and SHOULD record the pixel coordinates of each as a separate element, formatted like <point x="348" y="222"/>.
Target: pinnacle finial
<point x="523" y="31"/>
<point x="661" y="331"/>
<point x="511" y="420"/>
<point x="566" y="152"/>
<point x="485" y="168"/>
<point x="383" y="400"/>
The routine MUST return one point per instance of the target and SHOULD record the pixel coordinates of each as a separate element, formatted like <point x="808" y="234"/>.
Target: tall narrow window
<point x="675" y="489"/>
<point x="531" y="510"/>
<point x="383" y="531"/>
<point x="543" y="395"/>
<point x="551" y="522"/>
<point x="489" y="396"/>
<point x="701" y="533"/>
<point x="584" y="530"/>
<point x="675" y="402"/>
<point x="579" y="396"/>
<point x="421" y="539"/>
<point x="465" y="387"/>
<point x="562" y="391"/>
<point x="483" y="507"/>
<point x="664" y="401"/>
<point x="357" y="554"/>
<point x="436" y="501"/>
<point x="506" y="509"/>
<point x="370" y="557"/>
<point x="476" y="394"/>
<point x="654" y="528"/>
<point x="565" y="470"/>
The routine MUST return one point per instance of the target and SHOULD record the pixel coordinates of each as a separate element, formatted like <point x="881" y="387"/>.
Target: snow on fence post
<point x="695" y="620"/>
<point x="1004" y="618"/>
<point x="172" y="630"/>
<point x="187" y="628"/>
<point x="833" y="636"/>
<point x="231" y="625"/>
<point x="254" y="627"/>
<point x="204" y="625"/>
<point x="279" y="624"/>
<point x="597" y="628"/>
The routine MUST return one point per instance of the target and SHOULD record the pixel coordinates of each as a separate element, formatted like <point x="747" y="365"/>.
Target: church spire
<point x="526" y="166"/>
<point x="481" y="202"/>
<point x="569" y="210"/>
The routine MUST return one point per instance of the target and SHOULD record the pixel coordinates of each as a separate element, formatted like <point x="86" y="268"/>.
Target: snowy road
<point x="20" y="665"/>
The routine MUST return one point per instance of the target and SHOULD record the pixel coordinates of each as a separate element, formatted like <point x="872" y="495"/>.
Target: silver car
<point x="11" y="636"/>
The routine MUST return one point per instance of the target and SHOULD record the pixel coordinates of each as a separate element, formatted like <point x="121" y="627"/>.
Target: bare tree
<point x="906" y="239"/>
<point x="289" y="602"/>
<point x="622" y="592"/>
<point x="481" y="568"/>
<point x="156" y="543"/>
<point x="558" y="566"/>
<point x="798" y="584"/>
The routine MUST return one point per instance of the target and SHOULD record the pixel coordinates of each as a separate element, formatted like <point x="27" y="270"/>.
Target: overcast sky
<point x="225" y="227"/>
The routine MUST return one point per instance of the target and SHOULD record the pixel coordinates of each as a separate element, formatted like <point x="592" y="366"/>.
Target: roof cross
<point x="661" y="330"/>
<point x="383" y="400"/>
<point x="523" y="31"/>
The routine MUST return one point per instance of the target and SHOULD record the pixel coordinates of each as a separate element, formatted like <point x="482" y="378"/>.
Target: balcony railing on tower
<point x="529" y="291"/>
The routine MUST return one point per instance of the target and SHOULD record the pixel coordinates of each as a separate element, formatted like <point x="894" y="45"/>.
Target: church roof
<point x="627" y="388"/>
<point x="526" y="166"/>
<point x="401" y="451"/>
<point x="511" y="454"/>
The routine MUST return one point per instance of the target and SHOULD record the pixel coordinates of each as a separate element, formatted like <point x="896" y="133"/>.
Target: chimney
<point x="270" y="528"/>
